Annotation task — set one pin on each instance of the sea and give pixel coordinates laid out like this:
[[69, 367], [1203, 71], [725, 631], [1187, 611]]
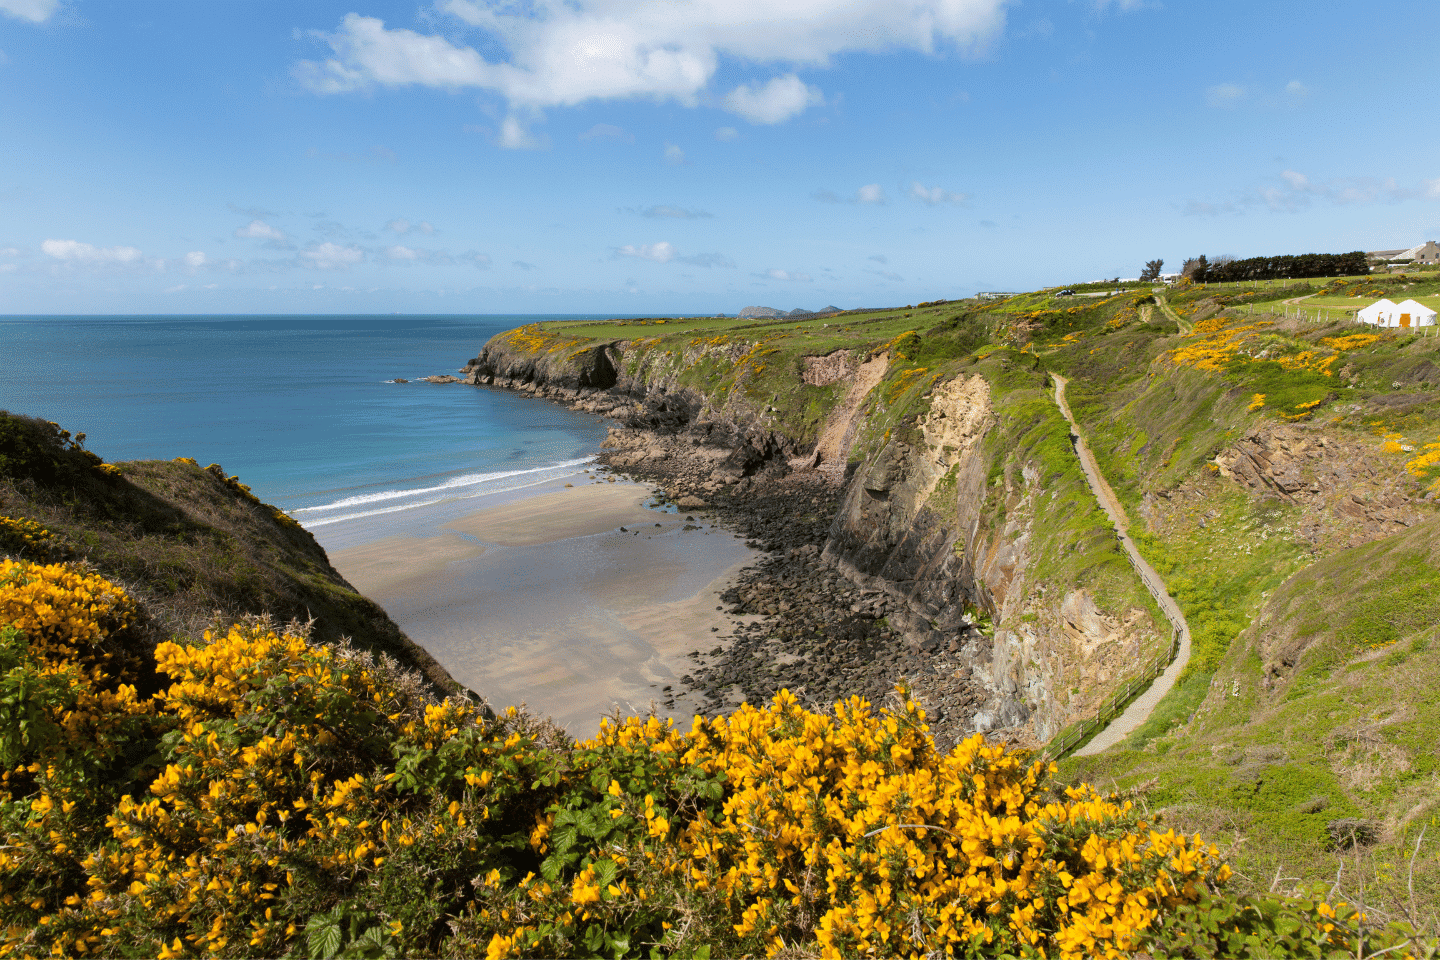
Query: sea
[[307, 410]]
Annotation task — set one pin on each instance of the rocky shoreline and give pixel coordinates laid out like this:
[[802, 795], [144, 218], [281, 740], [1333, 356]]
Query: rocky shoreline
[[797, 622]]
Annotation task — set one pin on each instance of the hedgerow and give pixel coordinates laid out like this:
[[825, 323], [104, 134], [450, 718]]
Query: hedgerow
[[281, 798]]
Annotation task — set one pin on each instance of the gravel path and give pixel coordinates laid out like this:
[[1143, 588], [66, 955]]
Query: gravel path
[[1140, 709]]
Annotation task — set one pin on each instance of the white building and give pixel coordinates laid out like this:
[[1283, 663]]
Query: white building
[[1384, 313]]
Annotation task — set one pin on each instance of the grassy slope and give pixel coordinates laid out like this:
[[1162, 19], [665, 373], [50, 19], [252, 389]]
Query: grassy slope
[[188, 542], [1349, 731]]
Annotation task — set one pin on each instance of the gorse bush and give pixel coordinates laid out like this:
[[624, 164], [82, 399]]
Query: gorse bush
[[279, 798]]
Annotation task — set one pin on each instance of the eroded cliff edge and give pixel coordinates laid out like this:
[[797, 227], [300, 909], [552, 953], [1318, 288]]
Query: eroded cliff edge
[[960, 516]]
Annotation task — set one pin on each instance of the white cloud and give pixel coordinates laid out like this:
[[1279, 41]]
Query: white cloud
[[259, 230], [1224, 95], [674, 155], [870, 193], [726, 134], [195, 259], [398, 252], [662, 252], [75, 251], [554, 53], [1431, 189], [787, 275], [36, 11], [1297, 181], [1295, 90], [775, 102], [934, 196], [331, 256], [8, 268], [514, 136], [9, 251]]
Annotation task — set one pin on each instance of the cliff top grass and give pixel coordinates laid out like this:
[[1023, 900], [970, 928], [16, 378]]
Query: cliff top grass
[[1295, 649]]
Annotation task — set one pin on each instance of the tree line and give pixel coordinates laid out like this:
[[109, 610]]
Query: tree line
[[1289, 267]]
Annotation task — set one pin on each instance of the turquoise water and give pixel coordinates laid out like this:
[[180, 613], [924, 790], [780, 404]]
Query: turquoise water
[[299, 407]]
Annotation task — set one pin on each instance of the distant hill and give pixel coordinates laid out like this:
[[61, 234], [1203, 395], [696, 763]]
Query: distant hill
[[797, 312]]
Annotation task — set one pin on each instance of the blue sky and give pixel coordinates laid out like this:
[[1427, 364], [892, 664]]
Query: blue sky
[[598, 156]]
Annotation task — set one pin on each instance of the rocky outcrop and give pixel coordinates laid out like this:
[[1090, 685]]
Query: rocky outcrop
[[1348, 491], [501, 363], [760, 312]]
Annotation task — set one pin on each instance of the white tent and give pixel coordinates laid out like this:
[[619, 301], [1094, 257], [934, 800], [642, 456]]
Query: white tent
[[1419, 314], [1381, 313]]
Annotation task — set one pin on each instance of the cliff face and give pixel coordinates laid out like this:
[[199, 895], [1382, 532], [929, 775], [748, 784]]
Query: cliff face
[[919, 522], [940, 509]]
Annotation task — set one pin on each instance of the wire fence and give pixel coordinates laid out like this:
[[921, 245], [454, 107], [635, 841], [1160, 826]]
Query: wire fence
[[1116, 703], [1333, 314]]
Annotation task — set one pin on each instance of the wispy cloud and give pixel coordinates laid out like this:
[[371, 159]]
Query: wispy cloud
[[726, 134], [331, 256], [935, 196], [606, 131], [77, 252], [1292, 190], [514, 135], [674, 155], [662, 252], [665, 252], [667, 212], [787, 276], [708, 260], [870, 193], [402, 226], [259, 230], [1225, 95]]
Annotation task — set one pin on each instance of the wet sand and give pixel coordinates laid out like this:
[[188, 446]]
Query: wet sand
[[548, 602]]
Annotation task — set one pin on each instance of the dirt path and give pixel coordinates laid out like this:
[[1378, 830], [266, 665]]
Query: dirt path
[[1185, 327], [1140, 709]]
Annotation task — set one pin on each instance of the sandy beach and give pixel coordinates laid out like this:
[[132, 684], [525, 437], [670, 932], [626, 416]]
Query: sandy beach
[[575, 602]]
